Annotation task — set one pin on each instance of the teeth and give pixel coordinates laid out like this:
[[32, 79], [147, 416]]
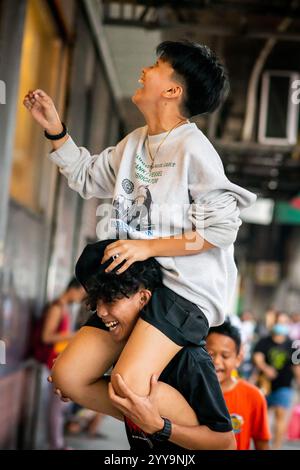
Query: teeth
[[111, 324]]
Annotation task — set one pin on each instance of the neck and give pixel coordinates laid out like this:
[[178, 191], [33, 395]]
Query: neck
[[163, 121], [278, 339], [64, 298], [228, 384]]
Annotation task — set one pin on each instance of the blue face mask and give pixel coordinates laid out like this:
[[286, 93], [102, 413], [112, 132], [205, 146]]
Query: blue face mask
[[280, 329]]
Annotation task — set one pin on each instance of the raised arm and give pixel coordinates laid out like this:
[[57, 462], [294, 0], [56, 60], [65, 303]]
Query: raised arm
[[43, 111], [89, 175]]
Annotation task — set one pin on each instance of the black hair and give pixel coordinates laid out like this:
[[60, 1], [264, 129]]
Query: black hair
[[73, 284], [228, 329], [203, 77], [111, 286]]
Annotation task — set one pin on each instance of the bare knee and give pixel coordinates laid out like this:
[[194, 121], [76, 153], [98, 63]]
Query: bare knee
[[138, 383], [280, 413], [65, 380]]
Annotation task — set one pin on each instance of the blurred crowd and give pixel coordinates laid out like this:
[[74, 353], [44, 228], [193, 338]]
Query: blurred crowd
[[271, 358]]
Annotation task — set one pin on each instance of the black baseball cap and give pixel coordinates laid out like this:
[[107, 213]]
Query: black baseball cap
[[89, 262]]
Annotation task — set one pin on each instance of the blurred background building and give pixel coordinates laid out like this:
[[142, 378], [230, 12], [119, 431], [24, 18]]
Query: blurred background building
[[87, 55]]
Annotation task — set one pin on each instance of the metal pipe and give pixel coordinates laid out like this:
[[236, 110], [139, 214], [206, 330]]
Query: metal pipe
[[94, 13], [247, 133], [11, 39]]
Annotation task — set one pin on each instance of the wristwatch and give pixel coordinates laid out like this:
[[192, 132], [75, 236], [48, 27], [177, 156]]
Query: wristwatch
[[165, 433], [57, 136]]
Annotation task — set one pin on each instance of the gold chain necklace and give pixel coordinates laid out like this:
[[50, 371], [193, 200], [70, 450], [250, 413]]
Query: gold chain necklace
[[157, 150]]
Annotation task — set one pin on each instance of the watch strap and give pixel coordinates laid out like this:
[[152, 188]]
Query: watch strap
[[165, 433]]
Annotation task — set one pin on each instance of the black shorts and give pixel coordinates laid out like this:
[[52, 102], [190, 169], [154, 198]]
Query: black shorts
[[179, 319]]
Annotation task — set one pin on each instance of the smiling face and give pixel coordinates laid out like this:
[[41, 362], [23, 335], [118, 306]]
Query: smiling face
[[223, 351], [121, 315], [156, 82]]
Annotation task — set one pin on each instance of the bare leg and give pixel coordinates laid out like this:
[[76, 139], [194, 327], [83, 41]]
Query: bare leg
[[88, 356], [147, 352], [174, 406], [95, 397], [94, 424], [280, 425], [76, 372], [56, 412]]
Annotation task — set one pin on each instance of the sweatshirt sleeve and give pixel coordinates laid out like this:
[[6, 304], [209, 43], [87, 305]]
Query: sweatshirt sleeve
[[216, 203], [89, 175]]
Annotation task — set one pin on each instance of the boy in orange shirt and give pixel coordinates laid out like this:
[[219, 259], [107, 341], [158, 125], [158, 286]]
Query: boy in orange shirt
[[246, 404]]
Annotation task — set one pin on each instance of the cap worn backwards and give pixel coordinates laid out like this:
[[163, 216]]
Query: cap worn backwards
[[89, 262]]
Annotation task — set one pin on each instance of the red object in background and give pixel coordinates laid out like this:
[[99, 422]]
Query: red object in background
[[46, 353], [293, 431], [295, 202]]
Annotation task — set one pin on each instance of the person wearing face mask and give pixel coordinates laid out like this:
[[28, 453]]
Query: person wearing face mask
[[272, 356]]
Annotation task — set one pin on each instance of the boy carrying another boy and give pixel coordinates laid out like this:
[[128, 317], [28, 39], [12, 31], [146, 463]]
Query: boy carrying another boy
[[199, 417], [171, 200]]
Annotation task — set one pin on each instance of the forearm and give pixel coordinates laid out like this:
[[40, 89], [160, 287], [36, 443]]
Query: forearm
[[189, 243], [261, 445], [201, 438], [296, 371], [56, 337], [56, 144], [260, 362], [262, 366], [57, 129]]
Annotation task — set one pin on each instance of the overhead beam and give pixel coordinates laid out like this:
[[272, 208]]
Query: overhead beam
[[270, 8], [206, 30]]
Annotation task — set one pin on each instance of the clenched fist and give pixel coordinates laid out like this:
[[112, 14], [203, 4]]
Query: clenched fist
[[43, 111]]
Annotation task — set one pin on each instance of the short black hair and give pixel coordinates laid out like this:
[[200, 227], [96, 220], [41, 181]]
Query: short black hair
[[228, 329], [204, 78], [111, 286], [73, 284]]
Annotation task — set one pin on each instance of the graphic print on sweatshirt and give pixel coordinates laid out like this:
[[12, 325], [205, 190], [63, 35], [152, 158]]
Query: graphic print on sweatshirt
[[132, 211]]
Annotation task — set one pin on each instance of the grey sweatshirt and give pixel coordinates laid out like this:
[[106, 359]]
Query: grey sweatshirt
[[187, 189]]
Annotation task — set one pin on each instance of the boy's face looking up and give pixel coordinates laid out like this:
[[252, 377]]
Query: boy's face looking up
[[157, 84], [225, 356], [122, 314]]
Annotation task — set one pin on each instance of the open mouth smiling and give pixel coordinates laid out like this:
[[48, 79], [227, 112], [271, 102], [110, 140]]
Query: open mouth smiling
[[112, 325]]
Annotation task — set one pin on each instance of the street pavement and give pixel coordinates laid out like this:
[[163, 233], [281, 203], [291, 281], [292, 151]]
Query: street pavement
[[115, 439]]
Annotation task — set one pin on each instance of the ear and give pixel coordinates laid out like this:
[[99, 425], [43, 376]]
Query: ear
[[176, 91], [145, 296], [240, 357]]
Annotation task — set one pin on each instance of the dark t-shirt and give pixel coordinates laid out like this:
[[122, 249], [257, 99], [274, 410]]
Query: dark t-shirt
[[278, 356], [193, 374]]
